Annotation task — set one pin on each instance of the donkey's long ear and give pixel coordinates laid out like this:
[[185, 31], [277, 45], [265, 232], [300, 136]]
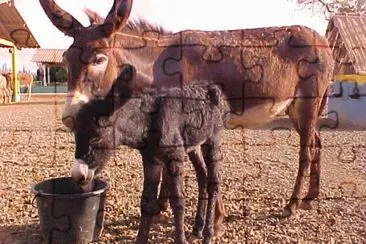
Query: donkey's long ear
[[117, 16], [94, 18], [60, 18]]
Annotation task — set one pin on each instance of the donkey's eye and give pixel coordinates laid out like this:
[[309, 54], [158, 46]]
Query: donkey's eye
[[100, 60]]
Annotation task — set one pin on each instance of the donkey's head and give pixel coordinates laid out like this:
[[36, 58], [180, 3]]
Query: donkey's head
[[90, 60]]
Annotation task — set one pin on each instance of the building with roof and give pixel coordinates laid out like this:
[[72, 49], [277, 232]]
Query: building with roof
[[346, 34], [47, 58], [14, 34]]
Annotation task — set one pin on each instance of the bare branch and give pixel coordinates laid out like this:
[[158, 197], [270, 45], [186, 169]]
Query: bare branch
[[332, 6]]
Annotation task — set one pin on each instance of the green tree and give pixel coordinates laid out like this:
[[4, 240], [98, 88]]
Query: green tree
[[57, 74], [60, 75], [334, 6], [52, 71]]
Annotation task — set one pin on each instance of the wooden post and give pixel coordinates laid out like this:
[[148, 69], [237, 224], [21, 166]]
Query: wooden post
[[44, 78], [16, 94], [48, 75]]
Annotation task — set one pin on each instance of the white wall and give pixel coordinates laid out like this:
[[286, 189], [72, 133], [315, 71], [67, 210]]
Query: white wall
[[351, 112]]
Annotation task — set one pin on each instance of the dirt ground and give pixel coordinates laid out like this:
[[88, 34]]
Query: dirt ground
[[258, 174]]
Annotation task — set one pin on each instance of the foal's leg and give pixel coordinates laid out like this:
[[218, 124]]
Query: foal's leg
[[201, 174], [212, 157], [304, 114], [164, 190], [315, 170], [176, 196], [149, 203]]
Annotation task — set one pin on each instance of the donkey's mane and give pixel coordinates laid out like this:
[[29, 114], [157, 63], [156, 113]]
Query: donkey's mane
[[140, 25]]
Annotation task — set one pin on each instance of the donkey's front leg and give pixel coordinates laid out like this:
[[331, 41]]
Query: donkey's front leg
[[149, 203], [315, 169], [176, 197]]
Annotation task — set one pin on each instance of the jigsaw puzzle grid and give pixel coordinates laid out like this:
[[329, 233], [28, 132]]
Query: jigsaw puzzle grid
[[258, 171]]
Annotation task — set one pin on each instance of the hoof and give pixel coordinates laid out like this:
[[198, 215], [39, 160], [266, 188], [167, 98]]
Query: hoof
[[157, 218], [220, 230], [192, 238], [163, 204], [306, 205], [209, 241], [287, 212], [160, 216]]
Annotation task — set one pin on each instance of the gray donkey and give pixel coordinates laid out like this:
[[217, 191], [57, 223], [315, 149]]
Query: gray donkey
[[175, 121]]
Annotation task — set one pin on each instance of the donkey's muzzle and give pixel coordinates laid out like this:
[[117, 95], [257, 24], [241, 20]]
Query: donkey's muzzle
[[69, 122], [73, 103], [81, 173]]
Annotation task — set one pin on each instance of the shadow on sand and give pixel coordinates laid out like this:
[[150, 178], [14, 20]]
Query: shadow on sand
[[20, 234]]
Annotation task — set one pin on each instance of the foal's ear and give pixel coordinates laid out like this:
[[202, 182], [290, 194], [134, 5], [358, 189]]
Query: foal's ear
[[127, 73], [125, 78]]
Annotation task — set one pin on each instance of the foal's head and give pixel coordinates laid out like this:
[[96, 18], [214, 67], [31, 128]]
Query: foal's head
[[91, 61], [94, 124]]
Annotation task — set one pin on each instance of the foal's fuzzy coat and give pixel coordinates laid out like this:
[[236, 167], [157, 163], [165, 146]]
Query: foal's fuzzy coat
[[164, 125]]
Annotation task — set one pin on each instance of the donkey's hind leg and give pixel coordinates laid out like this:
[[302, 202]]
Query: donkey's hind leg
[[304, 114], [29, 91], [315, 170]]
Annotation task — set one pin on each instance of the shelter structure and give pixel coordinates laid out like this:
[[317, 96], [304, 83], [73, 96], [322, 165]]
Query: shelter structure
[[346, 34], [14, 34], [47, 58]]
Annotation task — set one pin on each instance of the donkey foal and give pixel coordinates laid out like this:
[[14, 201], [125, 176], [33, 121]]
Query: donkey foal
[[175, 121]]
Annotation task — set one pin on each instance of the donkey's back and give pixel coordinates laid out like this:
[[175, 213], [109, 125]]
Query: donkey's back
[[262, 71]]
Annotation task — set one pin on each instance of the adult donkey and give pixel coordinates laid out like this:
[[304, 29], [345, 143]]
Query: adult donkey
[[5, 89], [263, 72], [24, 79]]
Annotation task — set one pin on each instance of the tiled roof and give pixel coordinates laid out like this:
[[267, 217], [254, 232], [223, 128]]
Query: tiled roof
[[13, 28], [48, 56], [347, 38]]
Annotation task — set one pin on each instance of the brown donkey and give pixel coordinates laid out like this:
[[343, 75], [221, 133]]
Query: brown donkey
[[5, 90], [263, 72], [24, 79]]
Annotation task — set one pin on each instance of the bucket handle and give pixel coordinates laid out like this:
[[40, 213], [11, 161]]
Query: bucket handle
[[34, 199]]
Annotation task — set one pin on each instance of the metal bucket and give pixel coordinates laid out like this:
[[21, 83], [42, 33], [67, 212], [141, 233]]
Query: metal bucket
[[66, 213]]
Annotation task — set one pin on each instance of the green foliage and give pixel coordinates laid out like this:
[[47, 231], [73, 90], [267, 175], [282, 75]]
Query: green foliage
[[57, 74], [61, 75]]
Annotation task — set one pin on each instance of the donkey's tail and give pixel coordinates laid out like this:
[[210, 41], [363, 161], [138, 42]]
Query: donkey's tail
[[323, 102]]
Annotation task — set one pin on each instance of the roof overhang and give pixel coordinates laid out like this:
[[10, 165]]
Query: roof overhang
[[51, 56], [346, 34], [13, 28]]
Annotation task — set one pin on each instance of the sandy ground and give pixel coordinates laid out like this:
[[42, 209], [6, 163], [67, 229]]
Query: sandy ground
[[258, 174]]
